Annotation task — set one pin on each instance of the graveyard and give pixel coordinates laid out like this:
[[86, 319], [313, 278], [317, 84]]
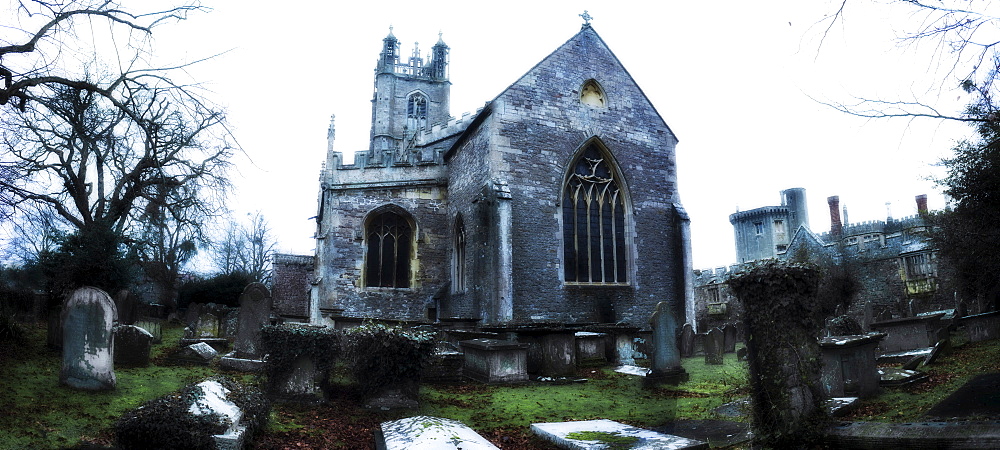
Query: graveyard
[[39, 412]]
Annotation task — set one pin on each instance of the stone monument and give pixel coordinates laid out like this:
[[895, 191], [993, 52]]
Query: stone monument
[[254, 314], [88, 317], [666, 359]]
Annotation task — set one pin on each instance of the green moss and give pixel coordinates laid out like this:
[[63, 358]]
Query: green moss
[[612, 440]]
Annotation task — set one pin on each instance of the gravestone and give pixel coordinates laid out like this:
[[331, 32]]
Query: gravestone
[[729, 338], [191, 315], [230, 323], [848, 365], [714, 346], [566, 435], [197, 353], [132, 345], [208, 326], [665, 358], [687, 341], [495, 361], [128, 306], [590, 349], [255, 312], [88, 341], [154, 327]]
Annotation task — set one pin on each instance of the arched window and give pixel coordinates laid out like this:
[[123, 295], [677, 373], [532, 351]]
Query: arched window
[[388, 238], [594, 213], [416, 111], [458, 263], [592, 94]]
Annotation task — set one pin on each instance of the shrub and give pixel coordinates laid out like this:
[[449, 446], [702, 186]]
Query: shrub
[[284, 344], [379, 355], [221, 289], [166, 423], [10, 330]]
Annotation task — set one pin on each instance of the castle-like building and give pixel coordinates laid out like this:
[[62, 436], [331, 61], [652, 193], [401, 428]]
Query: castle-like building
[[892, 264], [555, 202]]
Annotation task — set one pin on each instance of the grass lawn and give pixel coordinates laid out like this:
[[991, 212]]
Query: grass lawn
[[36, 412]]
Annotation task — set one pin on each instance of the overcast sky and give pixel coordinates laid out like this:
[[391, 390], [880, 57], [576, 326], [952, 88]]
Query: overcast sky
[[736, 81]]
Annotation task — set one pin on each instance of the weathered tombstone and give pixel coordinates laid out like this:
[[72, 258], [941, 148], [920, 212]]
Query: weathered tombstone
[[88, 342], [714, 346], [254, 315], [741, 354], [154, 327], [687, 341], [132, 345], [429, 433], [208, 326], [128, 305], [729, 338], [255, 312], [666, 359], [230, 323], [198, 353], [867, 316], [590, 349], [848, 368], [912, 308], [191, 315]]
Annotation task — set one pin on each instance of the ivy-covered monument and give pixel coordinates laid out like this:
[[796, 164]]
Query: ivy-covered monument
[[555, 202]]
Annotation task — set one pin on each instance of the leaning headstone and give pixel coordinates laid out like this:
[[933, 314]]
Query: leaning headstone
[[198, 353], [687, 341], [132, 345], [729, 338], [88, 342], [714, 346], [128, 305], [666, 359]]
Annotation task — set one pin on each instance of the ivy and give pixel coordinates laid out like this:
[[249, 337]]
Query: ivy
[[285, 344], [379, 356], [783, 318], [166, 422]]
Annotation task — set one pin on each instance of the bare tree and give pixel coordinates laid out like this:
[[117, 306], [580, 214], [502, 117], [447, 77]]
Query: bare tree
[[102, 147], [961, 39], [246, 248]]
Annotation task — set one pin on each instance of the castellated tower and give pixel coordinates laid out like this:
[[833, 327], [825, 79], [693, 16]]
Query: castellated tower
[[409, 96]]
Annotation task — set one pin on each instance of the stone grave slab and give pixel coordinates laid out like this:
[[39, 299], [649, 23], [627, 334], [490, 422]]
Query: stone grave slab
[[197, 353], [890, 376], [557, 433], [903, 356], [666, 358], [840, 406], [713, 347], [735, 408], [848, 367], [632, 370], [128, 306], [88, 316], [729, 338], [429, 433], [686, 344], [154, 327], [717, 433]]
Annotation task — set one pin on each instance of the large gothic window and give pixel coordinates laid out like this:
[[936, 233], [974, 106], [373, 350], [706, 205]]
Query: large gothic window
[[594, 221], [388, 237], [416, 112]]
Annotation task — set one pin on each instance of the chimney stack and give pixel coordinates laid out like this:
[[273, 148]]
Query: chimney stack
[[835, 224], [922, 204]]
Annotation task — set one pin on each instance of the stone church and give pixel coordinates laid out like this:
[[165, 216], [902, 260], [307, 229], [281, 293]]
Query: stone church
[[555, 202]]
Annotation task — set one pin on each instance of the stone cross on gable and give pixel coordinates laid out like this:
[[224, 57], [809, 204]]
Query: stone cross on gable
[[586, 17]]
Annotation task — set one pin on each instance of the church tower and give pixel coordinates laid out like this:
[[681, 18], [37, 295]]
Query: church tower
[[409, 96]]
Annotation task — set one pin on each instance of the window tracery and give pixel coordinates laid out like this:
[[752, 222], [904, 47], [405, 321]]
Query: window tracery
[[416, 111], [594, 222], [388, 240]]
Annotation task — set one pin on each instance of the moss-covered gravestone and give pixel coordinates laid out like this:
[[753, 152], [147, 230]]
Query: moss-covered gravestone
[[779, 301], [88, 317]]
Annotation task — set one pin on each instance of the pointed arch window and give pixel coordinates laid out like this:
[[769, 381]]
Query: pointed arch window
[[458, 264], [592, 94], [416, 111], [389, 238], [594, 212]]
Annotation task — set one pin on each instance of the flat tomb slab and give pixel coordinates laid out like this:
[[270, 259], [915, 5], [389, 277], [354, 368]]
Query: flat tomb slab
[[979, 397], [609, 430], [632, 370], [429, 433]]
